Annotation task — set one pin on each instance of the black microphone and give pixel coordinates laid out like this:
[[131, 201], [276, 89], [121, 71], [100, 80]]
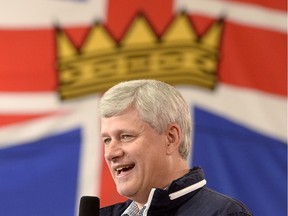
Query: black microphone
[[89, 206]]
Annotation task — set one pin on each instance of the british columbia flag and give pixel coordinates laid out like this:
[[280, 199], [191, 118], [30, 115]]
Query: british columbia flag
[[50, 150]]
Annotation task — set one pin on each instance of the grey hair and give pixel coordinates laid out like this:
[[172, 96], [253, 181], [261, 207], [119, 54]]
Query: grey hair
[[157, 103]]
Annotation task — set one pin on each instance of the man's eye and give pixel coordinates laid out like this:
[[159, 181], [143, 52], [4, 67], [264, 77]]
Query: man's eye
[[126, 137], [107, 140]]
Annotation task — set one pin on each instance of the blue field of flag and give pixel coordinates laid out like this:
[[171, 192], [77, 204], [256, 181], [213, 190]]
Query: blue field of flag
[[40, 178], [242, 163]]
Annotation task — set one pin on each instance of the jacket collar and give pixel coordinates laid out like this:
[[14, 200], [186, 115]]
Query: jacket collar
[[160, 202]]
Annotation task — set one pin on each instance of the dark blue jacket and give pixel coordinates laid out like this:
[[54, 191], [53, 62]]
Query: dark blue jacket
[[191, 199]]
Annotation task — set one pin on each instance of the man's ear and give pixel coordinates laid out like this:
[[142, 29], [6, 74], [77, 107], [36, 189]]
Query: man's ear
[[173, 138]]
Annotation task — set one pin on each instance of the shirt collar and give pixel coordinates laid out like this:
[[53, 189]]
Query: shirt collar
[[133, 210]]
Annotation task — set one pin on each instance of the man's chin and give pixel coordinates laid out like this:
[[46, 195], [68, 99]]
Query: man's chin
[[125, 191]]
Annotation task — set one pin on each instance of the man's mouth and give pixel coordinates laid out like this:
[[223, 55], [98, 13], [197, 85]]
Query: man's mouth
[[124, 169]]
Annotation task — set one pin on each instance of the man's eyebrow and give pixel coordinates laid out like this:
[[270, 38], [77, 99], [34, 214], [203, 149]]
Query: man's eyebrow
[[104, 134]]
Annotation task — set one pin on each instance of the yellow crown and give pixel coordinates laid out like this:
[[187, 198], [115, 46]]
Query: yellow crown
[[179, 56]]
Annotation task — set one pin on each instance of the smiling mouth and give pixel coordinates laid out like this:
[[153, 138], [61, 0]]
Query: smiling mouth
[[124, 169]]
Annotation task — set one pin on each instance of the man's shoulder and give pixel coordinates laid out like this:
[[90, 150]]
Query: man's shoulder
[[222, 198], [115, 209], [213, 201]]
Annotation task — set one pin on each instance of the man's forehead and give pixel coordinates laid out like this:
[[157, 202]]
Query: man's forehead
[[127, 122]]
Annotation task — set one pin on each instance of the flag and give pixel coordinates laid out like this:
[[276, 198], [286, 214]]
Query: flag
[[227, 58]]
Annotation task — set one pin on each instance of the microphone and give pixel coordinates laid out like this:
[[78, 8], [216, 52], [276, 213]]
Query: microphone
[[89, 206]]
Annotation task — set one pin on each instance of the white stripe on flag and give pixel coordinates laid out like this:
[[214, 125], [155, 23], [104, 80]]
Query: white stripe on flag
[[247, 14], [258, 110], [31, 103], [45, 13]]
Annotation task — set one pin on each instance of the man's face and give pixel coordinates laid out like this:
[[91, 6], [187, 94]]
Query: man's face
[[135, 154]]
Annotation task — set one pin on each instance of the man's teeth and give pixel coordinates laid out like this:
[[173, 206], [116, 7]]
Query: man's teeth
[[121, 168]]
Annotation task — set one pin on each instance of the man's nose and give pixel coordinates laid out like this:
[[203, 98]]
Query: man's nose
[[113, 150]]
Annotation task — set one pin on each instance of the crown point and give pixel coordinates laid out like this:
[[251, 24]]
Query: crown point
[[140, 32], [98, 39], [213, 36], [180, 30], [64, 44]]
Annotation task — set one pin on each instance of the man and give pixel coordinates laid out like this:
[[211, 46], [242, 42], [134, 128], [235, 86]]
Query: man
[[146, 133]]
